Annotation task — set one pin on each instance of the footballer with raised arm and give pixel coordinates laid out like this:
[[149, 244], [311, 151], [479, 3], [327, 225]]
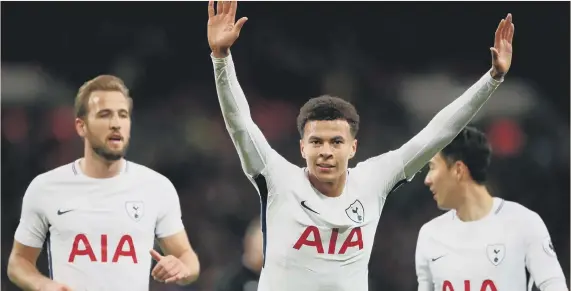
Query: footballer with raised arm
[[483, 243], [319, 221], [101, 214]]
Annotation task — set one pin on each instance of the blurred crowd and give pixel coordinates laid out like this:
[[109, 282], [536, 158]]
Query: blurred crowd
[[178, 128]]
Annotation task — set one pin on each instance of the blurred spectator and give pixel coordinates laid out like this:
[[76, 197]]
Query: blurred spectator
[[244, 276]]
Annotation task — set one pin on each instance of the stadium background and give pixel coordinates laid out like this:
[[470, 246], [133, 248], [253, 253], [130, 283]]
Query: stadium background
[[398, 62]]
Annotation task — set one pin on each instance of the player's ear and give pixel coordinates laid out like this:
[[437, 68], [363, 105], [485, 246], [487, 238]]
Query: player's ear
[[80, 126], [459, 170], [353, 148], [301, 148]]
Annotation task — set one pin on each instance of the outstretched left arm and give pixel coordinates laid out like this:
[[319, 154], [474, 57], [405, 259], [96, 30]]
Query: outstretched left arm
[[444, 127], [402, 164]]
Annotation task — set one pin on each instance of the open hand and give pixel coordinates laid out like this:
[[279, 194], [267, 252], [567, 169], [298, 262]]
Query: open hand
[[169, 269], [502, 50], [223, 29]]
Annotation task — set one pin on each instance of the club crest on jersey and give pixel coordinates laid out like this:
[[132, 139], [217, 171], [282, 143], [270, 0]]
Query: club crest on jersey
[[356, 211], [135, 209], [496, 253]]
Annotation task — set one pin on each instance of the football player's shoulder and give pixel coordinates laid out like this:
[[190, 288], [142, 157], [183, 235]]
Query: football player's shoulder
[[364, 166], [520, 215], [517, 211], [144, 173], [438, 223], [56, 175], [286, 177], [379, 170], [37, 189]]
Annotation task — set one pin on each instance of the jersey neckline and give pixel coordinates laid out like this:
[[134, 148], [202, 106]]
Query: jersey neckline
[[76, 168]]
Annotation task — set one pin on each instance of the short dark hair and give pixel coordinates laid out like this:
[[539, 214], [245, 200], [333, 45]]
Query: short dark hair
[[328, 108], [472, 148]]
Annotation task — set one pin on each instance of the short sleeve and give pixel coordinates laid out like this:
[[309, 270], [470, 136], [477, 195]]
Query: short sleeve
[[169, 220], [33, 225], [540, 258]]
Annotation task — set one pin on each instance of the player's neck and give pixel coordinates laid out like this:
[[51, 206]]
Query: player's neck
[[97, 167], [477, 203], [329, 189]]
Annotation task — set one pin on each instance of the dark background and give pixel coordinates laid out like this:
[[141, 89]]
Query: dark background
[[398, 62]]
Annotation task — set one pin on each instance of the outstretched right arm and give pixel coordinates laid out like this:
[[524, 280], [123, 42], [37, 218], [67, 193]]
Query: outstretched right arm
[[252, 146]]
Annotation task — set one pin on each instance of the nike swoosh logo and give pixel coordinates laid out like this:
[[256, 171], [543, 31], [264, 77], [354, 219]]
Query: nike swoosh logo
[[59, 212], [307, 207], [437, 258]]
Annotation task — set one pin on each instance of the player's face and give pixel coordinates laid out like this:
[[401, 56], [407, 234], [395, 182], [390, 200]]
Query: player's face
[[442, 182], [107, 127], [327, 146]]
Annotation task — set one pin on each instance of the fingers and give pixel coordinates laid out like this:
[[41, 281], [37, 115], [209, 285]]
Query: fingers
[[160, 271], [499, 31], [155, 255], [175, 278], [168, 271], [163, 272], [172, 273], [233, 8], [507, 26], [227, 5], [156, 270], [505, 30], [510, 28], [222, 7], [211, 9], [511, 33], [219, 6], [240, 24]]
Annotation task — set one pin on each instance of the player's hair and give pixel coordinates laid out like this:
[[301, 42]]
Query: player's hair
[[328, 108], [472, 148], [99, 83]]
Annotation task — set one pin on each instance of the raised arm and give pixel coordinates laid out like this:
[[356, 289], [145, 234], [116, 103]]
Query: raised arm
[[402, 164], [252, 146], [449, 121]]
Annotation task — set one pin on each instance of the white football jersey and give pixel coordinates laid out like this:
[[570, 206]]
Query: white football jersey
[[313, 242], [490, 254], [99, 231]]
